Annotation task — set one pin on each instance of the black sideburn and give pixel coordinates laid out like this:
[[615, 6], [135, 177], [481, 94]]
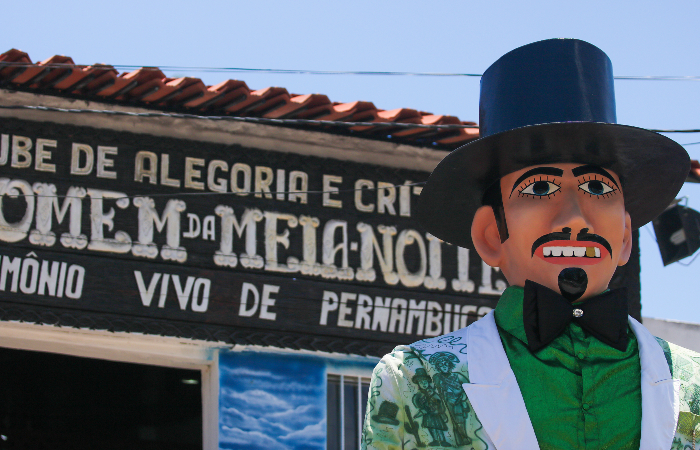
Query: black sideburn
[[494, 198]]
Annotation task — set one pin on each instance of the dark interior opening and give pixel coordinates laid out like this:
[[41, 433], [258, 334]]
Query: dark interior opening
[[52, 401]]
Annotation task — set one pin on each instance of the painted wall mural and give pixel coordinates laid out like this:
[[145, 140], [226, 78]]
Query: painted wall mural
[[271, 401]]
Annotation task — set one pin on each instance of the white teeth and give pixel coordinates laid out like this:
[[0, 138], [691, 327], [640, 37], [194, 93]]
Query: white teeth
[[568, 251]]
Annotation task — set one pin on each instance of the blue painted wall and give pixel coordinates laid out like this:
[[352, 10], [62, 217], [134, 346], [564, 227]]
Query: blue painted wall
[[276, 401], [272, 401]]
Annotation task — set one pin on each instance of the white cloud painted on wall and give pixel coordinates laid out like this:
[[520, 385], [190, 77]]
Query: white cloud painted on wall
[[271, 402], [260, 399], [310, 433], [241, 439]]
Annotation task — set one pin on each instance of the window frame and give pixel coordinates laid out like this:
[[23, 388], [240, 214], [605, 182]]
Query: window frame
[[357, 381]]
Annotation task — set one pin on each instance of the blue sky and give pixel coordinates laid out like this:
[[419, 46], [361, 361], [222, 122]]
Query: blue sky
[[641, 37]]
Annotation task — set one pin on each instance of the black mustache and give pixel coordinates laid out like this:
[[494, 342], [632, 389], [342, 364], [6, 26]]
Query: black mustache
[[585, 236], [556, 236], [582, 236]]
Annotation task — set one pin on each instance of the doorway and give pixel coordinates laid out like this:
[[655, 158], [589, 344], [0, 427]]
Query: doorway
[[54, 401]]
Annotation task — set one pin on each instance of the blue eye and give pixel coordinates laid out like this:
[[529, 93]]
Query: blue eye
[[595, 187], [540, 188]]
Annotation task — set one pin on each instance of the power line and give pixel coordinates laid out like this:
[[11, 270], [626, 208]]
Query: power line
[[242, 119], [317, 72], [695, 130], [265, 120], [267, 194]]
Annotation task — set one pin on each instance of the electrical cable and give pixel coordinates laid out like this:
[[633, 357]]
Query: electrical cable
[[689, 262], [275, 121], [313, 72], [243, 119], [241, 194]]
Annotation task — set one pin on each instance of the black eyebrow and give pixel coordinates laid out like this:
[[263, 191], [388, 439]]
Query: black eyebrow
[[590, 168], [538, 171]]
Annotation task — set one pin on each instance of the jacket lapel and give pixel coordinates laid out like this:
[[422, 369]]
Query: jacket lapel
[[660, 392], [494, 393], [493, 390]]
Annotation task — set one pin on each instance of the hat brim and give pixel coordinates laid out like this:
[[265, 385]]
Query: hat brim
[[386, 420], [651, 166]]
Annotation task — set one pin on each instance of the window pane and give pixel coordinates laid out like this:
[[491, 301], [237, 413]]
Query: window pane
[[365, 394], [351, 424], [333, 412]]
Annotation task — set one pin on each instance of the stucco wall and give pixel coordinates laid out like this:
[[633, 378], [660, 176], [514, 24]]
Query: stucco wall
[[684, 334]]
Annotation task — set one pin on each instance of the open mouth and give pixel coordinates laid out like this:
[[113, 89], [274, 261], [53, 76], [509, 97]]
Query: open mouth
[[579, 252], [572, 252]]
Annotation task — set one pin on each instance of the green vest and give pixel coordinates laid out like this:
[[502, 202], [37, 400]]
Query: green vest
[[579, 392]]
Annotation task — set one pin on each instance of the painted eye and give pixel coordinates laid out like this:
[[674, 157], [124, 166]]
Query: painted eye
[[595, 187], [540, 188]]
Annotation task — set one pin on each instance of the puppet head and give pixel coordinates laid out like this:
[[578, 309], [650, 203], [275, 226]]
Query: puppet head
[[553, 183]]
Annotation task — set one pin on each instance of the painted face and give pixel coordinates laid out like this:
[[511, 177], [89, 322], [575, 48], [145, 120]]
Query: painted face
[[443, 366], [564, 215], [423, 383]]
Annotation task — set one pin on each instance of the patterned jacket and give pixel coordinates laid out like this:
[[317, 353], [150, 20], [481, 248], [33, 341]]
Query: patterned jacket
[[488, 412]]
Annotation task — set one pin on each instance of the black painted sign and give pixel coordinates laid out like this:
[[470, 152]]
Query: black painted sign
[[140, 227]]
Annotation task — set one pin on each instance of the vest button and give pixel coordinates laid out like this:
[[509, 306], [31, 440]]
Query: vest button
[[586, 406]]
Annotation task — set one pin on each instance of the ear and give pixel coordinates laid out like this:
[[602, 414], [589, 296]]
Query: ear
[[626, 241], [485, 236]]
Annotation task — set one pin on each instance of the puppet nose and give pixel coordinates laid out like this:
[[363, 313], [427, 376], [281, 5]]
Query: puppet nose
[[571, 217]]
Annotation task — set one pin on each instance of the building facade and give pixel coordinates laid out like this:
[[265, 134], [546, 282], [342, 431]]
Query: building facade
[[254, 270]]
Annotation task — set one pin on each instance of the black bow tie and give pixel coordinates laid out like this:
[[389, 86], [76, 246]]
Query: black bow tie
[[546, 314]]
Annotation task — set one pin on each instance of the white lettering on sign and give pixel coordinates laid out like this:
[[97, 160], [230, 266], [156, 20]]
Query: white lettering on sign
[[225, 256], [193, 294], [82, 159], [46, 204], [104, 163], [385, 254], [486, 282], [329, 268], [434, 280], [283, 242], [21, 156], [273, 240], [4, 148], [14, 232], [213, 183], [99, 218], [49, 278], [149, 219], [251, 300], [395, 315], [43, 156], [329, 189]]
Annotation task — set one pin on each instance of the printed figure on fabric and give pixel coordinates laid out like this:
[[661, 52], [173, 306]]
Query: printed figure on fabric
[[449, 384], [431, 409]]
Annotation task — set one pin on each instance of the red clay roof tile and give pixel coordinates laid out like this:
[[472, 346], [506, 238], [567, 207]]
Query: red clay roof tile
[[149, 87]]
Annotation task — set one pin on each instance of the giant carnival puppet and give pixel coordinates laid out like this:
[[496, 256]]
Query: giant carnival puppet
[[550, 194]]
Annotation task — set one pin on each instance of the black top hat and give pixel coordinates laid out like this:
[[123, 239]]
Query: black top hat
[[421, 373], [387, 413], [550, 102]]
